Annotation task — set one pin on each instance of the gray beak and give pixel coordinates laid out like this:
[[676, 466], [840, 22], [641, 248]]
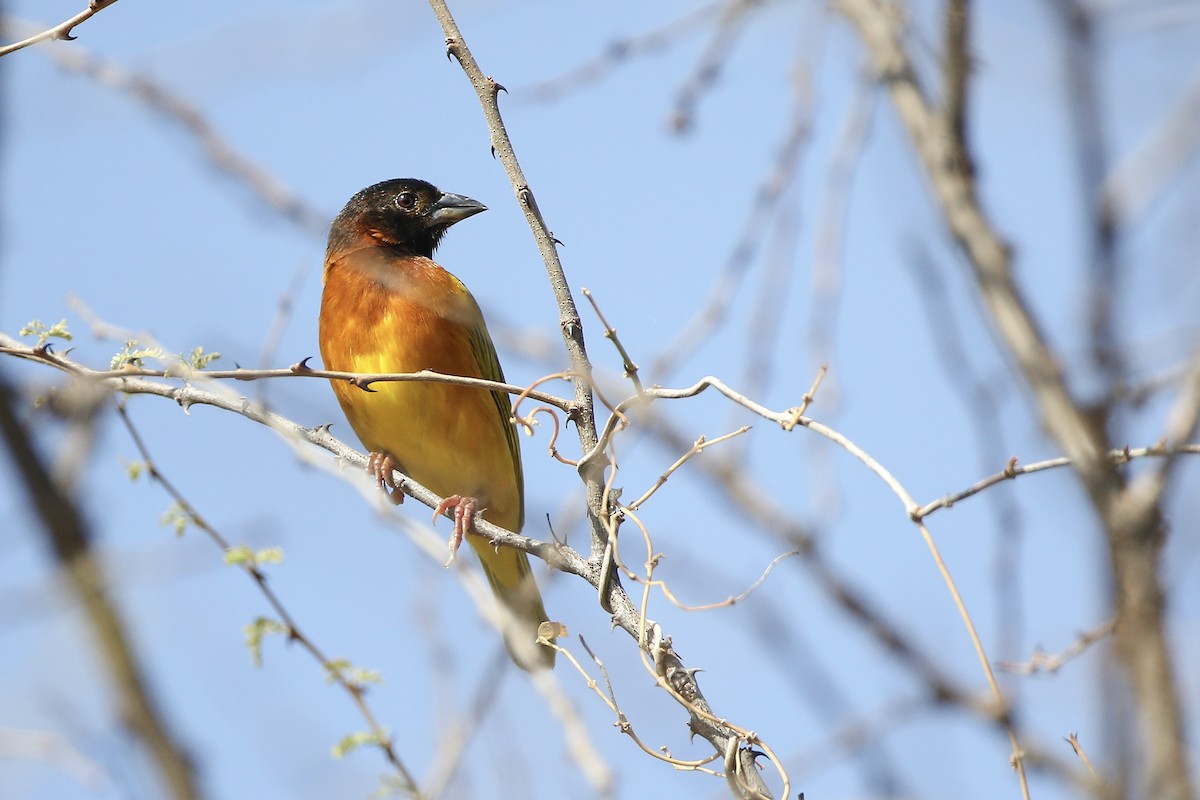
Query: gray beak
[[452, 208]]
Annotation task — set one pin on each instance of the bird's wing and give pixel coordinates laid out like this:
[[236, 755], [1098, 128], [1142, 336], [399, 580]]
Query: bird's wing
[[484, 353]]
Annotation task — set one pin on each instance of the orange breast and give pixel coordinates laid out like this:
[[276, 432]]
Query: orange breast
[[380, 314]]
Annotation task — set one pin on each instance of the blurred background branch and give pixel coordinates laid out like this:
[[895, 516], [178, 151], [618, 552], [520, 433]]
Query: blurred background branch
[[1052, 330]]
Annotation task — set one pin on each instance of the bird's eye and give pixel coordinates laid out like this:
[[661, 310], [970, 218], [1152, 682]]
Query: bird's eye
[[406, 200]]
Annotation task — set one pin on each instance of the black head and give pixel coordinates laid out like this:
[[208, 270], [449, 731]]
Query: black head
[[406, 213]]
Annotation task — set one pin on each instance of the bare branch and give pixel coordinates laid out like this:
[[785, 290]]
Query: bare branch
[[696, 449], [362, 380], [1136, 530], [956, 74], [1073, 740], [354, 688], [223, 156], [56, 751], [1182, 422], [741, 257], [582, 412], [880, 25], [69, 538], [725, 35], [1043, 662], [1141, 177], [671, 674], [618, 52], [610, 333], [61, 31]]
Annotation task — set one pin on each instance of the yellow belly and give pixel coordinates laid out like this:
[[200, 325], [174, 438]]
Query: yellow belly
[[450, 439], [380, 314]]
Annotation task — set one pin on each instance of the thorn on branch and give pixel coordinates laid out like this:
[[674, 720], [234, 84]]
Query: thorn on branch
[[301, 366], [362, 383], [572, 327]]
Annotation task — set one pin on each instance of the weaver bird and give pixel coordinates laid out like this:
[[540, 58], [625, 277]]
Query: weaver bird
[[388, 307]]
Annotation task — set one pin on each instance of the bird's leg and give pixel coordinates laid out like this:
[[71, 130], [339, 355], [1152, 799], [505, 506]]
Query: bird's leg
[[464, 518], [381, 465]]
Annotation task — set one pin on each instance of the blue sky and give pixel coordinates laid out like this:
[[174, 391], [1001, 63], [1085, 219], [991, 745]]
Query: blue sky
[[108, 207]]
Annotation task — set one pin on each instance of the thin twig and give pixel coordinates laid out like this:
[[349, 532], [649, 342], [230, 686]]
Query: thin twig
[[332, 670], [610, 333], [1014, 470], [1143, 175], [616, 53], [57, 752], [592, 466], [731, 600], [462, 730], [623, 724], [1041, 661], [69, 537], [363, 380], [582, 413], [1183, 420], [1073, 740], [735, 764], [217, 149], [708, 68], [696, 449], [911, 508], [560, 556], [779, 261], [61, 31], [724, 289], [283, 316], [881, 27], [671, 671]]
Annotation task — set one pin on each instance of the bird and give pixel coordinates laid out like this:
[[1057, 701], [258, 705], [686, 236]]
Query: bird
[[388, 307]]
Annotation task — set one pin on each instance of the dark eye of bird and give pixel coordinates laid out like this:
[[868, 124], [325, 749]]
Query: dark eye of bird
[[406, 199]]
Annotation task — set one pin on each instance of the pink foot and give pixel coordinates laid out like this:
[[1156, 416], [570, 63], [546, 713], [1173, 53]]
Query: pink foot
[[381, 465], [464, 518]]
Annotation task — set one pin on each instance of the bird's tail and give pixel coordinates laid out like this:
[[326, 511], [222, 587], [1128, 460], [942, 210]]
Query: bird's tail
[[512, 581]]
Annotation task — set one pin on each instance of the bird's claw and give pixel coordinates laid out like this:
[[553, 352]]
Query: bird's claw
[[464, 518], [381, 466]]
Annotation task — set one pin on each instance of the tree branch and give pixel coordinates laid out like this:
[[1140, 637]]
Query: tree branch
[[1135, 530], [61, 30], [70, 541]]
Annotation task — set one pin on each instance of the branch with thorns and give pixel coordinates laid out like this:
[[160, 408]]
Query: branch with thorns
[[61, 31], [656, 650], [623, 724]]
